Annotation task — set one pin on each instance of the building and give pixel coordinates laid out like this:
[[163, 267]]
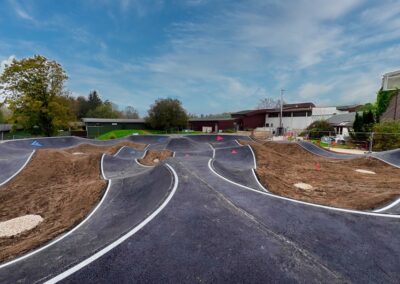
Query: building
[[391, 81], [249, 119], [393, 110], [211, 124], [342, 122], [98, 126]]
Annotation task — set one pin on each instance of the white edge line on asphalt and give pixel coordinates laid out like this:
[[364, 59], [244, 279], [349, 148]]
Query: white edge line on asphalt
[[238, 142], [20, 169], [140, 164], [258, 182], [213, 149], [120, 149], [63, 236], [388, 206], [100, 253], [302, 202], [254, 157], [173, 154], [102, 167]]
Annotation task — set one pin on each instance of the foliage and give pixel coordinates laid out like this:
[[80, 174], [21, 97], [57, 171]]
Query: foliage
[[166, 114], [320, 128], [131, 112], [34, 91], [269, 103], [104, 110], [2, 119], [382, 101], [362, 126], [387, 136], [368, 107]]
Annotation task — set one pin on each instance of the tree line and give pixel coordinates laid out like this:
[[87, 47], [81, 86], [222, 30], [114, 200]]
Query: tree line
[[37, 101]]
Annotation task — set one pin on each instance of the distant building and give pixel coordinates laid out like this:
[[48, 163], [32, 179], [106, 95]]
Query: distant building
[[342, 122], [98, 126], [391, 81], [211, 124]]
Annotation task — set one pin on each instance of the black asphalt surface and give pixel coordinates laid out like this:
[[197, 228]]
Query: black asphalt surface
[[213, 230], [324, 153]]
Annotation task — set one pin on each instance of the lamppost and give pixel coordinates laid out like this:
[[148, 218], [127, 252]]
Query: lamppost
[[280, 117]]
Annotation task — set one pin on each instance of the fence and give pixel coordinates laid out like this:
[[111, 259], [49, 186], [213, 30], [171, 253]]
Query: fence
[[366, 141], [23, 135]]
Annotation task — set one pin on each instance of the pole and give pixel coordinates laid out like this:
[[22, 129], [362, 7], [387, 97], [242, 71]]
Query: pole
[[280, 118], [371, 139]]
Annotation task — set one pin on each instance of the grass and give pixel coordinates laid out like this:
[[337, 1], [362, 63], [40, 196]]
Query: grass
[[126, 132]]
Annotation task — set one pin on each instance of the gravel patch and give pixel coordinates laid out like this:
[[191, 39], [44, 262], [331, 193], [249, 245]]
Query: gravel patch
[[18, 225]]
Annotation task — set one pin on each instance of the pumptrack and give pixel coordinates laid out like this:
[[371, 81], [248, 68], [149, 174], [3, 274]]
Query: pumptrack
[[202, 215]]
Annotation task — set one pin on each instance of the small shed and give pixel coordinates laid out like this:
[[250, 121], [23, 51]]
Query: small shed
[[342, 122], [98, 126]]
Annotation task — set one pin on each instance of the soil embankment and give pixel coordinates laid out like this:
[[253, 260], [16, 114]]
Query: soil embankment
[[334, 182], [154, 157], [60, 185]]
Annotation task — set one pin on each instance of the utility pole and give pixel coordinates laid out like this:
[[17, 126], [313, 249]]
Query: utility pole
[[280, 117]]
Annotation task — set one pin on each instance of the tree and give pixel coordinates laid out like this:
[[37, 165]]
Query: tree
[[104, 110], [2, 120], [167, 114], [93, 100], [320, 128], [131, 112], [34, 91], [268, 103], [387, 136], [358, 123]]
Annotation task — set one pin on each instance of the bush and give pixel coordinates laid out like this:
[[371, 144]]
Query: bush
[[387, 136], [320, 128]]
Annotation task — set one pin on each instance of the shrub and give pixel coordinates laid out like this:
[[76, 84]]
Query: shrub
[[320, 128], [387, 136]]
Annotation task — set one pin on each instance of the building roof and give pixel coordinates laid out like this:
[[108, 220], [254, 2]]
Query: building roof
[[211, 119], [343, 119], [286, 108], [393, 73], [113, 120]]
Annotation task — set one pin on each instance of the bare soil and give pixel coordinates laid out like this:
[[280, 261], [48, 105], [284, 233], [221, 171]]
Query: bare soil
[[152, 156], [59, 186], [335, 182]]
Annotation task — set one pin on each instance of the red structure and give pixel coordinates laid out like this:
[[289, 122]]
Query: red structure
[[216, 124]]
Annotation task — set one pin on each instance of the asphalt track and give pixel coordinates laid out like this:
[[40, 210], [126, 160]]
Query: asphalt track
[[202, 217]]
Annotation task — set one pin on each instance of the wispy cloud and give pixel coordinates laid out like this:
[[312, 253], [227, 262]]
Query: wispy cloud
[[20, 11]]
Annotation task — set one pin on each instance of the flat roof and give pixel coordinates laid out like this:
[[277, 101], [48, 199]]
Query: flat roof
[[113, 120], [211, 119]]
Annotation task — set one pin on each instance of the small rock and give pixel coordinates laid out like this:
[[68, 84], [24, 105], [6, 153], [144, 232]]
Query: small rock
[[365, 172], [303, 185], [156, 160]]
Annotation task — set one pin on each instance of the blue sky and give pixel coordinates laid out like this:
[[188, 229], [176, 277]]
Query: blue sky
[[214, 56]]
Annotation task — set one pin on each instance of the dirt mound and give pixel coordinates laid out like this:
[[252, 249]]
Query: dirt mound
[[335, 182], [154, 157], [58, 185], [97, 149]]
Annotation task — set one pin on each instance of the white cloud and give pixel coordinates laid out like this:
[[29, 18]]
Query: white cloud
[[21, 11], [5, 62], [313, 90]]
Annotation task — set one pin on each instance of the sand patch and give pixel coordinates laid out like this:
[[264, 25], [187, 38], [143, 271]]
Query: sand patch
[[18, 225], [303, 185], [365, 172]]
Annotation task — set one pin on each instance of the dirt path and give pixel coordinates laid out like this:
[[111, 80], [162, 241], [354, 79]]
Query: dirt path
[[58, 185], [154, 157], [335, 182]]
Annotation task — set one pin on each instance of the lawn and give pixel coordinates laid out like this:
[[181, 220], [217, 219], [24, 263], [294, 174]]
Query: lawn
[[126, 132]]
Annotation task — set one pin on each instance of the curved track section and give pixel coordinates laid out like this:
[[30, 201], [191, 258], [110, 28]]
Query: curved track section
[[128, 202], [310, 147], [218, 226]]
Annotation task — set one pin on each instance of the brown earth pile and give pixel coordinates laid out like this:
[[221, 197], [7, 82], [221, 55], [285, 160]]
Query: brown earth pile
[[154, 157], [59, 186], [335, 182]]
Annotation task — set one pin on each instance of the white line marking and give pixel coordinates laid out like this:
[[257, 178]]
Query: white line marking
[[173, 154], [100, 253], [63, 236], [213, 149], [258, 182], [302, 202], [238, 142], [102, 167], [20, 169], [388, 206], [120, 149], [254, 157]]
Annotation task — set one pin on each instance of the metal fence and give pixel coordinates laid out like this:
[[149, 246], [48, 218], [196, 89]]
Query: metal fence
[[366, 141]]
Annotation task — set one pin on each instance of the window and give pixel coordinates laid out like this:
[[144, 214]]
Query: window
[[267, 125]]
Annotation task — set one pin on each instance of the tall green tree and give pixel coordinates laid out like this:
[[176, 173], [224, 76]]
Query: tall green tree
[[166, 114], [34, 91], [2, 120]]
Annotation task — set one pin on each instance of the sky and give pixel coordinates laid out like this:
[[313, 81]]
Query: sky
[[214, 56]]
